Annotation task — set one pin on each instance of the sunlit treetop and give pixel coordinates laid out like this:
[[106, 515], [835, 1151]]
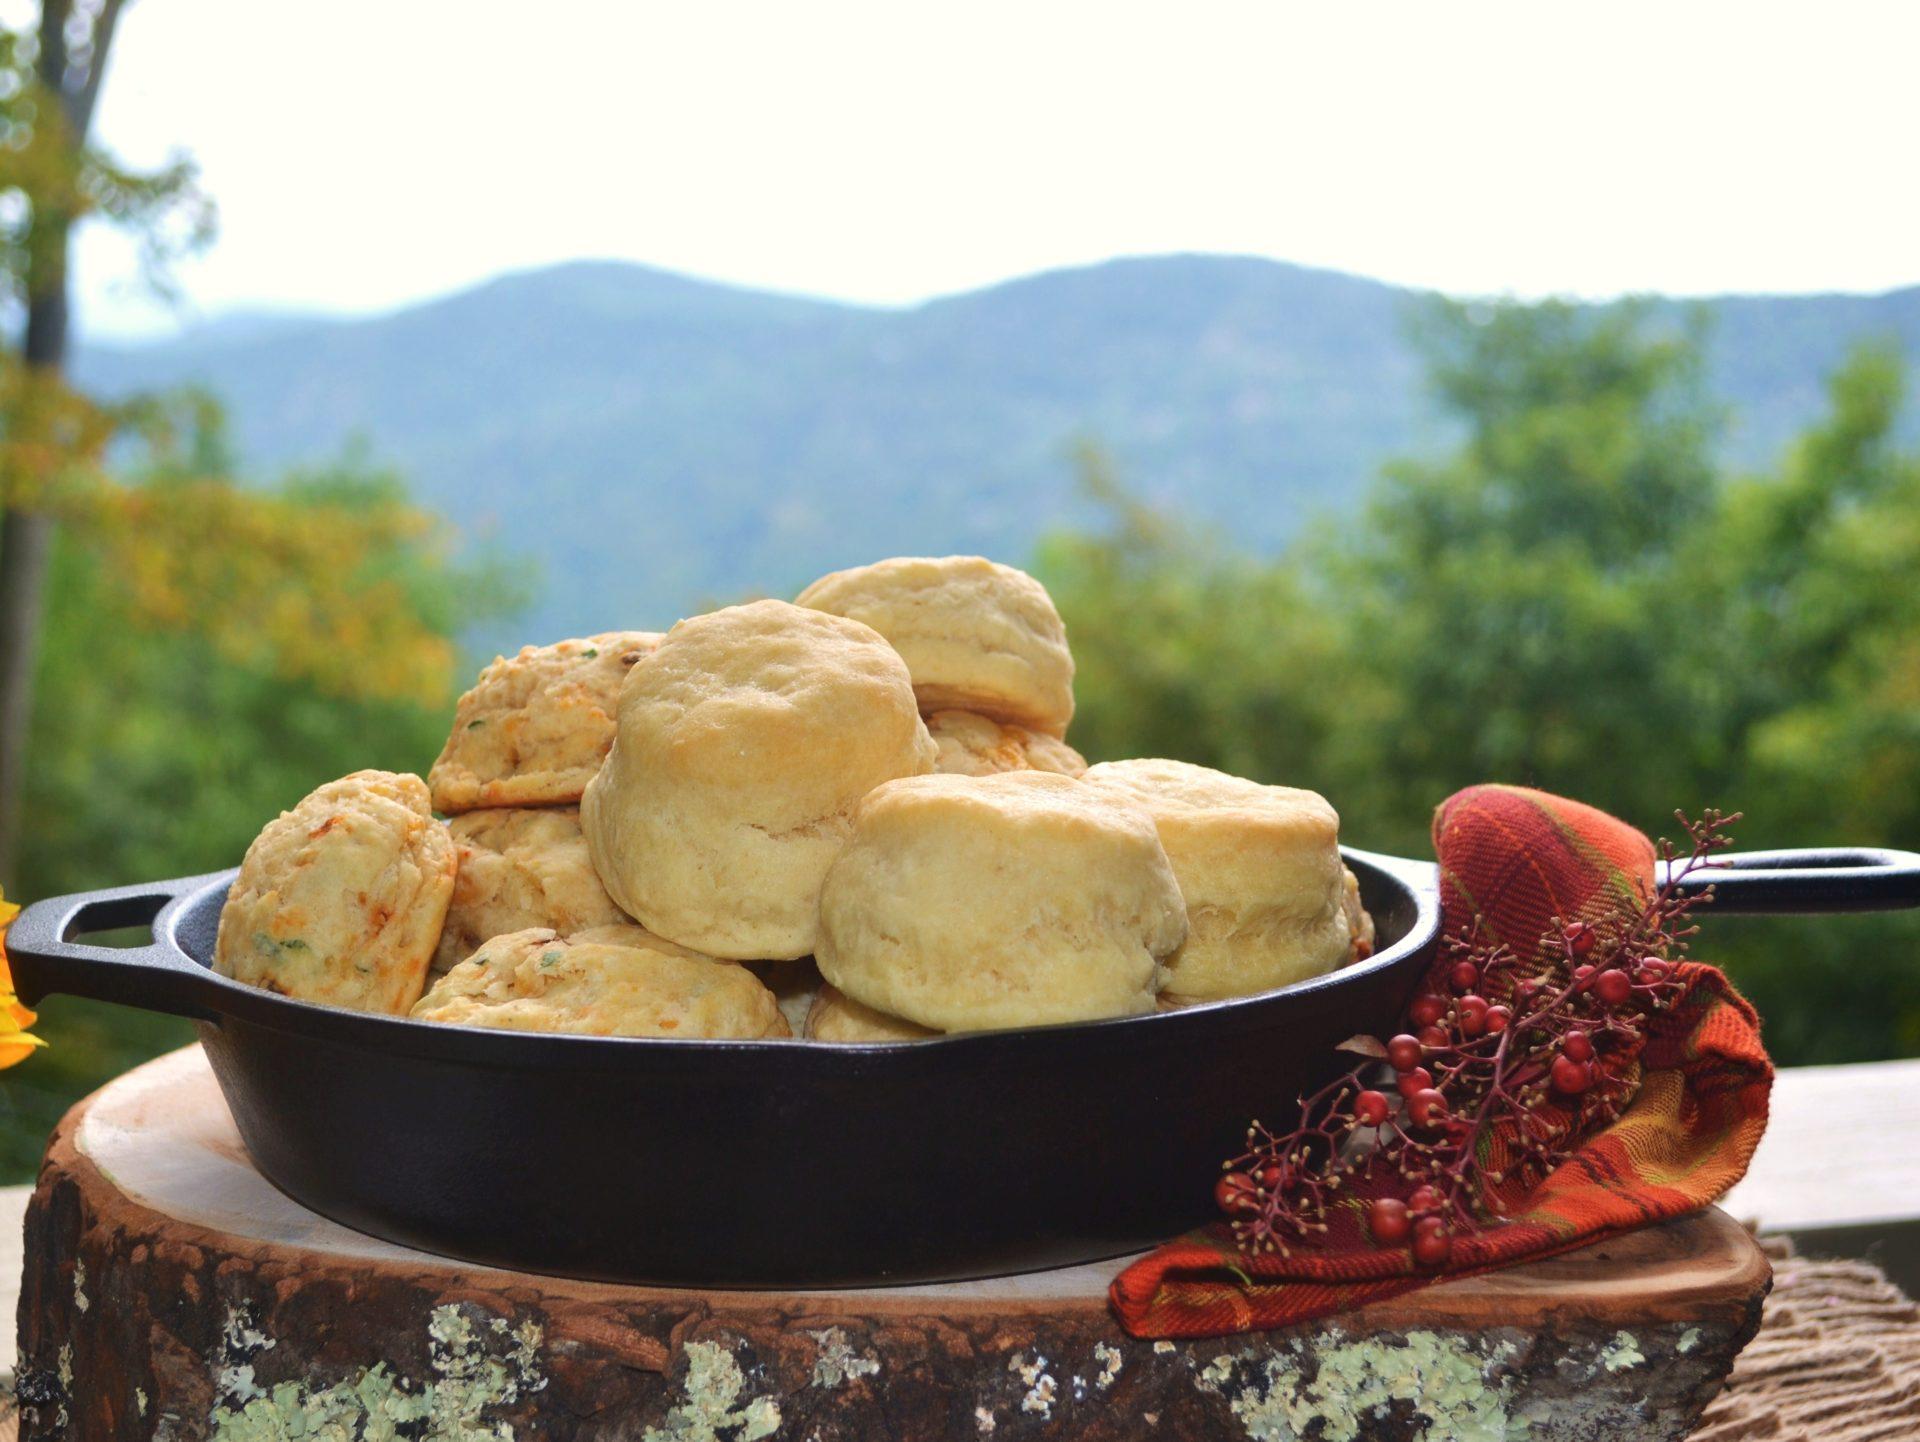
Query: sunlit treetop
[[48, 184]]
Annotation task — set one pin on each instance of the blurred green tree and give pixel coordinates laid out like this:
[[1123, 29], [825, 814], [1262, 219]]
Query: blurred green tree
[[1821, 565], [215, 649], [160, 746], [1186, 647], [327, 579], [1518, 593], [1576, 599], [52, 178]]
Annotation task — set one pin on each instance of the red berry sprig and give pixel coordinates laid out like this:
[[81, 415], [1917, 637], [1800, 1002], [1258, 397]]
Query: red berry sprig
[[1508, 1065]]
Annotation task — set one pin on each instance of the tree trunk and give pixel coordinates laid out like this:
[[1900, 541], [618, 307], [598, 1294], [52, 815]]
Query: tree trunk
[[26, 537], [25, 547]]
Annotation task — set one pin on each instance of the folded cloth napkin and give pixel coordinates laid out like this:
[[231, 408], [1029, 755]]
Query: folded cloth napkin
[[1511, 860]]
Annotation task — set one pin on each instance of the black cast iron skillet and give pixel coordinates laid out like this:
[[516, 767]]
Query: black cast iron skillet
[[784, 1164]]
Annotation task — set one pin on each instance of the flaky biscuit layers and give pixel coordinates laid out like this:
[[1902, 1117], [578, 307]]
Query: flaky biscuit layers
[[535, 981], [974, 745], [1260, 868], [968, 903], [744, 743], [340, 900], [976, 635], [535, 727], [520, 867]]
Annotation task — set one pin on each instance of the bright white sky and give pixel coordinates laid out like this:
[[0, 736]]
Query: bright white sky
[[366, 153]]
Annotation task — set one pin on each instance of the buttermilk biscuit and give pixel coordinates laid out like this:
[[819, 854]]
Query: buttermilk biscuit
[[535, 981], [340, 900], [966, 903], [1260, 869], [744, 743], [520, 867], [973, 745], [976, 635], [534, 729], [1359, 923], [835, 1016]]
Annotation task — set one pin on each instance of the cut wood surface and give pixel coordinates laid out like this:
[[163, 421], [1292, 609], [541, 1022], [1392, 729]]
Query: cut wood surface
[[171, 1291]]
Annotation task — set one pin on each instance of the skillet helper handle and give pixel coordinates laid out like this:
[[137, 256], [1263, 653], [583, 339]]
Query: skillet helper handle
[[1808, 881], [45, 956]]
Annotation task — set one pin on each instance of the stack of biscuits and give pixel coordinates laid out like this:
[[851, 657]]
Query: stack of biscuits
[[855, 818]]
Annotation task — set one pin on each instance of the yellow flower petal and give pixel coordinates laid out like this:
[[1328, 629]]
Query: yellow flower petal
[[17, 1049], [16, 1043]]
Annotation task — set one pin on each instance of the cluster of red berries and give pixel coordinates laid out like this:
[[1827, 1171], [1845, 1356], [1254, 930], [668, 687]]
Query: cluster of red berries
[[1529, 1053], [1422, 1216]]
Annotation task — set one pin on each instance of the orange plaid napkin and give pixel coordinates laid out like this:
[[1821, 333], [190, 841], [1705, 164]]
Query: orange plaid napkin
[[1512, 859]]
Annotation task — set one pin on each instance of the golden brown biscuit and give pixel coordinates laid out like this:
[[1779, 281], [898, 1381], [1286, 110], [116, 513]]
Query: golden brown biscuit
[[835, 1016], [976, 635], [520, 867], [973, 745], [966, 903], [1259, 867], [534, 729], [340, 900], [1359, 923], [535, 981], [744, 743]]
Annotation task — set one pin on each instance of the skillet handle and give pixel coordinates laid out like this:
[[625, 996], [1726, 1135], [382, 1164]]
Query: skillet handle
[[1850, 878], [159, 976]]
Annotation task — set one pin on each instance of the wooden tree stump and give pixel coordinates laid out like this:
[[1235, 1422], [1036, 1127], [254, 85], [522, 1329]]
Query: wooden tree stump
[[172, 1293]]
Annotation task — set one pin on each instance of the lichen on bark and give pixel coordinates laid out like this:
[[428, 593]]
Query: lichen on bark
[[476, 1372]]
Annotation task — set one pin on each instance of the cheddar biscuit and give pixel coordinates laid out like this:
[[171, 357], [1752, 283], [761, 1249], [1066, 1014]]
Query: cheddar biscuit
[[1260, 868], [535, 981], [340, 900], [520, 867], [976, 635], [535, 728], [743, 745], [966, 903]]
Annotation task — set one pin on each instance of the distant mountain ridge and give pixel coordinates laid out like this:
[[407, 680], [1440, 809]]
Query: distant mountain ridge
[[654, 442]]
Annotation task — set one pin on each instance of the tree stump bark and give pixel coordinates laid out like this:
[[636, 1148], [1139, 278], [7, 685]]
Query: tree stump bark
[[171, 1293]]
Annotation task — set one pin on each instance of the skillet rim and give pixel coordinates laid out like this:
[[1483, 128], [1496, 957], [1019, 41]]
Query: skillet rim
[[219, 998]]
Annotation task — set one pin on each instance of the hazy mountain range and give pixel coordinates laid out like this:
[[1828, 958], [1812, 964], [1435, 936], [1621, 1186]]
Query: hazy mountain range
[[650, 442]]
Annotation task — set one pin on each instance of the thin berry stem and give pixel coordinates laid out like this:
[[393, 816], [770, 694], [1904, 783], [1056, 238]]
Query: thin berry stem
[[1502, 1056]]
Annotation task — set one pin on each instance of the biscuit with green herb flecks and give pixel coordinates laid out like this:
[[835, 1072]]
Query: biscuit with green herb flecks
[[536, 981], [535, 728], [341, 900], [520, 867]]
